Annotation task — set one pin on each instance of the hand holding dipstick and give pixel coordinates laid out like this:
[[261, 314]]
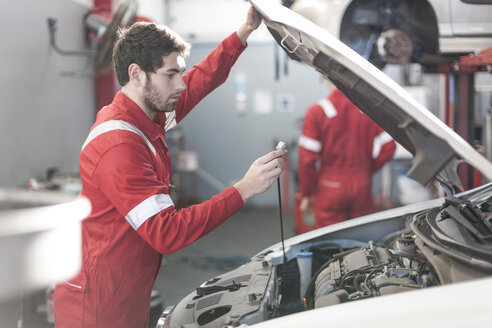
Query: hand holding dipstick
[[261, 174]]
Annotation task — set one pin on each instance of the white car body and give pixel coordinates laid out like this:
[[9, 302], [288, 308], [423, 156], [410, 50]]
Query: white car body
[[426, 308], [441, 306]]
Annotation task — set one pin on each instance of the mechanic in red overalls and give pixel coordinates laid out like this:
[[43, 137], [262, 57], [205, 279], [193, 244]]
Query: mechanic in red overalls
[[126, 173], [339, 150]]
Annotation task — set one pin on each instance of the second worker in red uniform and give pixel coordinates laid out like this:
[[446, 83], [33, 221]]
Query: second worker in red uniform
[[339, 150]]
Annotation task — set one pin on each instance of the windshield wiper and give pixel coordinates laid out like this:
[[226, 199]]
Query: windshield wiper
[[202, 291], [469, 216]]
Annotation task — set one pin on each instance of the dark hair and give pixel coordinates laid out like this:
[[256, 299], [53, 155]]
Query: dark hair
[[145, 44]]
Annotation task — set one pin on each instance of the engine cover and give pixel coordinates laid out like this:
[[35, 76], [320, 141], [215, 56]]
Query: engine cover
[[364, 273]]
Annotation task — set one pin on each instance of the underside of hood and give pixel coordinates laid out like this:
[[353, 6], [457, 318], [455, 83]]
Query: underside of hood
[[437, 150]]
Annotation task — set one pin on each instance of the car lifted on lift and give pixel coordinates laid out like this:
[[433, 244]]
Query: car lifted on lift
[[400, 31], [432, 261]]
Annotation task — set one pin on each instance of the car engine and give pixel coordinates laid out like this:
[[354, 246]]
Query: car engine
[[362, 273], [259, 291], [438, 246]]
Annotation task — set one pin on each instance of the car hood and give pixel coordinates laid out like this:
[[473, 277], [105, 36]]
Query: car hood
[[437, 150]]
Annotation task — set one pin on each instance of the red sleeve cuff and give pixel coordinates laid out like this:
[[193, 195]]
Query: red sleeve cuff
[[233, 42], [234, 200]]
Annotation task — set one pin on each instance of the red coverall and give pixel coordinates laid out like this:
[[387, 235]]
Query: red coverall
[[126, 171], [339, 150]]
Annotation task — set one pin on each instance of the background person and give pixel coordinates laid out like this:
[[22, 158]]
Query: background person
[[339, 150]]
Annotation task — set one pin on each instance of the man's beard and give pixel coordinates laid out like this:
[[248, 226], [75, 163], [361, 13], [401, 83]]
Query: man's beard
[[151, 99]]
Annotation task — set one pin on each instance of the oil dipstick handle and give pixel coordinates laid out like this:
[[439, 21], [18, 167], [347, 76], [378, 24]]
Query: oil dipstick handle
[[281, 145]]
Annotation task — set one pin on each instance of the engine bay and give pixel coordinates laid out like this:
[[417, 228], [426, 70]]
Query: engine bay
[[438, 246], [343, 275]]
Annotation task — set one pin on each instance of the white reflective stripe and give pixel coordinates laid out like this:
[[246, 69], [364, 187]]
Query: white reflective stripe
[[328, 108], [70, 284], [116, 125], [147, 209], [310, 144], [379, 142], [170, 121]]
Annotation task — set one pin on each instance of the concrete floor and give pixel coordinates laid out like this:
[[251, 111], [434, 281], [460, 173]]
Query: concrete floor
[[230, 245], [227, 247]]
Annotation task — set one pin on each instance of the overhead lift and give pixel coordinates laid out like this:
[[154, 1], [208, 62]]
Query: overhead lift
[[459, 82]]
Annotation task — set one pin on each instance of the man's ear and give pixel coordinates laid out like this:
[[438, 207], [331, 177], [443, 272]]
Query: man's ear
[[136, 75]]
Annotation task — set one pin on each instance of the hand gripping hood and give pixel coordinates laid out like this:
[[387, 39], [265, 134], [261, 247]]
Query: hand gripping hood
[[436, 149]]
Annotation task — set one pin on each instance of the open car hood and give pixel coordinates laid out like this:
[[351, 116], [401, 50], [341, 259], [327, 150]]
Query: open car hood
[[437, 150]]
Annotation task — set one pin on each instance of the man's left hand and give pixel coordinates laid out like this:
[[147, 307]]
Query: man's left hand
[[253, 21]]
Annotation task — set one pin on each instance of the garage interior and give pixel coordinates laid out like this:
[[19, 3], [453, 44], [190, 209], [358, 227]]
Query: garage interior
[[57, 76]]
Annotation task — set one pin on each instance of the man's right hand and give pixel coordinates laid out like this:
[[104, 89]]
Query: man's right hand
[[261, 174]]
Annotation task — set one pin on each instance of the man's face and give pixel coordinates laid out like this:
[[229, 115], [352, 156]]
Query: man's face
[[162, 88]]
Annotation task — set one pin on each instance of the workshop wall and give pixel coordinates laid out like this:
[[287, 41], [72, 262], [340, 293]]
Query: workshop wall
[[47, 98], [208, 20], [230, 132]]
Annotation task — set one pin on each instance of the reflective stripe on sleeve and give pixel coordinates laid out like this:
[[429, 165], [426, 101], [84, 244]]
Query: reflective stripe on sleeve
[[147, 209], [328, 108], [379, 142], [170, 121], [116, 125], [310, 144]]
